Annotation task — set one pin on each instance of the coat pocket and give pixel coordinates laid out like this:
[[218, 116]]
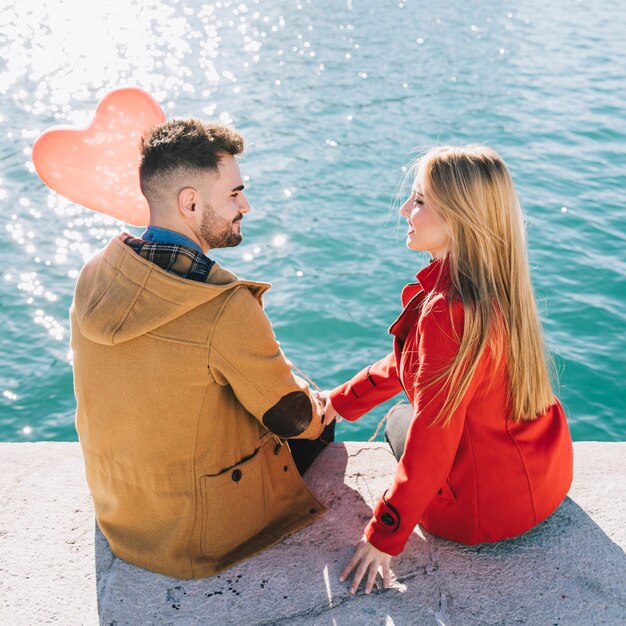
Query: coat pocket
[[446, 493], [233, 506]]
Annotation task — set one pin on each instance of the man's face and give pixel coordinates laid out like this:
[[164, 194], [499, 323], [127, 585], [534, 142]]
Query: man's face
[[223, 206]]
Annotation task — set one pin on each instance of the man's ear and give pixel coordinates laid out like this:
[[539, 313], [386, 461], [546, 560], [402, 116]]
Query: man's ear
[[187, 202]]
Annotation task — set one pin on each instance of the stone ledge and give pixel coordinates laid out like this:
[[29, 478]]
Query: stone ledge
[[569, 570]]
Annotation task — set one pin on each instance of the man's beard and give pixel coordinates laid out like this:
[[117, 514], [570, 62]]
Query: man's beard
[[218, 232]]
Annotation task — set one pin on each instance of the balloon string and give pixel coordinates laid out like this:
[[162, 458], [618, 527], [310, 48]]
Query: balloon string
[[308, 380], [380, 424], [382, 421], [312, 383]]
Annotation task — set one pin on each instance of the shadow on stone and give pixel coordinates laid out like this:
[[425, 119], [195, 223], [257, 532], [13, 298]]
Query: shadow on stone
[[565, 571]]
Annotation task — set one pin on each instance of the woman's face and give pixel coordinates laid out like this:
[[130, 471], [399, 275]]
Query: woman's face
[[426, 231]]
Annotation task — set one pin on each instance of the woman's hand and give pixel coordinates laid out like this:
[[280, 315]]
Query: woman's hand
[[329, 410], [366, 556]]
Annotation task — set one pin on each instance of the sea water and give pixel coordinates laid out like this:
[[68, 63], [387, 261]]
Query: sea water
[[334, 99]]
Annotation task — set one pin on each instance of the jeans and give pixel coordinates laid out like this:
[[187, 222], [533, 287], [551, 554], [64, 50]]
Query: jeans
[[305, 451], [397, 427]]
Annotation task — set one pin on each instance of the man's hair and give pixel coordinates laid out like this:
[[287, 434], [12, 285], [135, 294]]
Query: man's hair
[[190, 144]]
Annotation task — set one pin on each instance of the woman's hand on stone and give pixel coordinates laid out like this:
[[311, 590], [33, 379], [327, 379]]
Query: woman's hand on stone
[[368, 560]]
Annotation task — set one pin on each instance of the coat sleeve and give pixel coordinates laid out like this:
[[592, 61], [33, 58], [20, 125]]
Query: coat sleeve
[[370, 387], [430, 449], [245, 355]]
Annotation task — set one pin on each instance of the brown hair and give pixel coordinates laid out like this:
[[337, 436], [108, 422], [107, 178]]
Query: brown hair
[[185, 144], [472, 191]]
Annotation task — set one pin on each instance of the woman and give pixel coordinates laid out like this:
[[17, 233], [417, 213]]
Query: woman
[[488, 453]]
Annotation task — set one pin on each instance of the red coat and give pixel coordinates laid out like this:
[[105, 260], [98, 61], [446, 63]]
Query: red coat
[[483, 477]]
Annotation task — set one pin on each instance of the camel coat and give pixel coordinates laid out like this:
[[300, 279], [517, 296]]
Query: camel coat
[[173, 380]]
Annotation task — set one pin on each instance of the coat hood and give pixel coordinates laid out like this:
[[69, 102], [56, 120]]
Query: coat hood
[[120, 295]]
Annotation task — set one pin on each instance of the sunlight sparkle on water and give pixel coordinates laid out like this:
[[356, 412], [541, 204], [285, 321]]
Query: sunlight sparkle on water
[[69, 53], [55, 329], [245, 61]]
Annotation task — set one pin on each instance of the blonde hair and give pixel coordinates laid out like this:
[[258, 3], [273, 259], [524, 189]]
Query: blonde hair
[[472, 191]]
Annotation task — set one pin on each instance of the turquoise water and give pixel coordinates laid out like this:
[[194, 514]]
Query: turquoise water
[[334, 98]]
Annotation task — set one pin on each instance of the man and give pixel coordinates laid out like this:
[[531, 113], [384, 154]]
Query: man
[[184, 398]]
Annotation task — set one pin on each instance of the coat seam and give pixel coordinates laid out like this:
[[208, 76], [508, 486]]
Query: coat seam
[[121, 479], [194, 479], [526, 476], [471, 445], [216, 349], [209, 339], [157, 337], [97, 301], [252, 384], [130, 306]]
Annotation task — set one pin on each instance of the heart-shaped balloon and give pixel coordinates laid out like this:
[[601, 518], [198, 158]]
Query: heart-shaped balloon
[[98, 166]]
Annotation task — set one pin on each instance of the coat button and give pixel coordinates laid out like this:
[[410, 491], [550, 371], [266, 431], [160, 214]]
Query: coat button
[[387, 520], [277, 448], [237, 475]]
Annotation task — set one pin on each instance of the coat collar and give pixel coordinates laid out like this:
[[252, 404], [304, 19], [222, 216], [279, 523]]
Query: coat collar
[[435, 276]]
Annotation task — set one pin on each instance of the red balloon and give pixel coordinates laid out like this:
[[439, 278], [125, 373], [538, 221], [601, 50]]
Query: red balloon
[[98, 167]]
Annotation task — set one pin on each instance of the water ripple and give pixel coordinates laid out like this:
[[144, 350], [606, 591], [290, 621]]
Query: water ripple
[[333, 105]]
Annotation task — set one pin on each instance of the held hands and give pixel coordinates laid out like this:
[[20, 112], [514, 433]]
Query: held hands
[[323, 397], [366, 556]]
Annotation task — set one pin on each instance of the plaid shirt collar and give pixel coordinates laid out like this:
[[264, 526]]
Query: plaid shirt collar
[[175, 258]]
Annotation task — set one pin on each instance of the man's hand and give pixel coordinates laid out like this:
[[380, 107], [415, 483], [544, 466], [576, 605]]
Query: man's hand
[[366, 556], [330, 414]]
